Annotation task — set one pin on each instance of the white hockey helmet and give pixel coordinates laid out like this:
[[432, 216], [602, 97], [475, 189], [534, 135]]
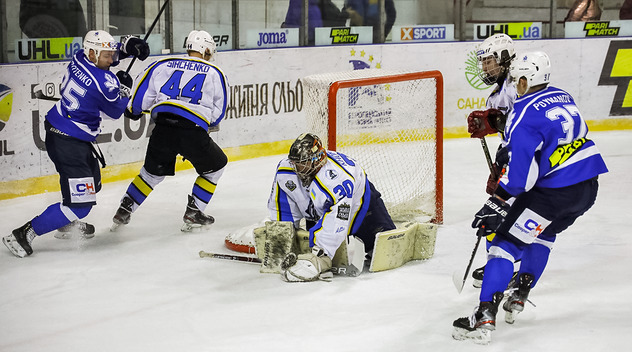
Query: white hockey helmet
[[534, 66], [201, 41], [501, 48], [99, 41]]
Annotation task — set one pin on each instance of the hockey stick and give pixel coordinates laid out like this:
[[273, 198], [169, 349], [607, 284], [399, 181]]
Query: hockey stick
[[239, 258], [455, 278], [40, 95], [151, 28], [458, 283], [490, 163]]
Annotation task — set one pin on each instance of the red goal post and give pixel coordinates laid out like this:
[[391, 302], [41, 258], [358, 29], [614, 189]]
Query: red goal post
[[392, 124]]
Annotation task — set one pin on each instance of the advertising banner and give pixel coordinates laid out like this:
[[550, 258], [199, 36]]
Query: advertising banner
[[272, 38], [598, 29], [343, 35], [423, 33], [516, 30]]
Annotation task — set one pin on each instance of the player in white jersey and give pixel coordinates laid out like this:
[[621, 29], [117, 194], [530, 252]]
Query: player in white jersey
[[551, 175], [89, 91], [494, 55], [186, 98], [332, 192]]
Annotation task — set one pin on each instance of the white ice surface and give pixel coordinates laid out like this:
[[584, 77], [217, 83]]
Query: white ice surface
[[145, 288]]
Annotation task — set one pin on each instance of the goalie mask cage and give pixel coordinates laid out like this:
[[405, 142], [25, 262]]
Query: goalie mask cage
[[392, 124]]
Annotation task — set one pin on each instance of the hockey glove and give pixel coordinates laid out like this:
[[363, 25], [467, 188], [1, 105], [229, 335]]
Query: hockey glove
[[130, 115], [126, 83], [481, 123], [134, 46], [491, 215], [500, 165]]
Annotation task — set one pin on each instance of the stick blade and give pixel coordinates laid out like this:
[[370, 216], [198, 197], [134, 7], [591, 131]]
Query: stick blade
[[458, 281]]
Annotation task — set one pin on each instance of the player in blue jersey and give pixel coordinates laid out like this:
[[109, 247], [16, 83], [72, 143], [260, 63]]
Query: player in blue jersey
[[89, 91], [494, 56], [552, 174], [187, 98], [332, 192]]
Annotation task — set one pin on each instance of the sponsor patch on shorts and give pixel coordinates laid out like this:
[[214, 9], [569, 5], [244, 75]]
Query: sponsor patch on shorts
[[528, 226], [82, 190]]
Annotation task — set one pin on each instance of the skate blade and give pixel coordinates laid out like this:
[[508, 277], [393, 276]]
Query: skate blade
[[510, 317], [115, 227], [72, 234], [14, 247], [194, 227], [478, 336]]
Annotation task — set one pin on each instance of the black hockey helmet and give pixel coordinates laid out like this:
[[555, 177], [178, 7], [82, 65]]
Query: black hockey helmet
[[307, 156]]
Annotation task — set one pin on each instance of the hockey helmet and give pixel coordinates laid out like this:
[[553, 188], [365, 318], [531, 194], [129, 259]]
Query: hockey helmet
[[99, 41], [534, 66], [307, 155], [201, 42], [500, 49]]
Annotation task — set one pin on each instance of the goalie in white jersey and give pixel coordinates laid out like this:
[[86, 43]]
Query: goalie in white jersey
[[332, 192], [186, 97]]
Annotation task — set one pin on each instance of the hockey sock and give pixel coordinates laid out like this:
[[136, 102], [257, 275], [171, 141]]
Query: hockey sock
[[534, 260], [56, 216], [141, 186], [204, 188], [498, 273]]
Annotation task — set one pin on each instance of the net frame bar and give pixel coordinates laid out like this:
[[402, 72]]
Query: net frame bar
[[438, 77]]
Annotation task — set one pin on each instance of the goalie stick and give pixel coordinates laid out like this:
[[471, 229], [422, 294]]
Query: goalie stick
[[240, 258]]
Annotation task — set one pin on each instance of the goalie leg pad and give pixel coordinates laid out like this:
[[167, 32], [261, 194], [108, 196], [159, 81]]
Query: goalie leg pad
[[279, 238]]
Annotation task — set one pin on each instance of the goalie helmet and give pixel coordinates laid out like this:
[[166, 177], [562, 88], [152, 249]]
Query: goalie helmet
[[99, 41], [201, 42], [534, 66], [499, 49], [307, 156]]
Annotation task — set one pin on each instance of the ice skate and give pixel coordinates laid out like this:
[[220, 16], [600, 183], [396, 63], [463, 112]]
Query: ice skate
[[19, 241], [480, 324], [75, 229], [518, 296], [194, 218], [123, 214]]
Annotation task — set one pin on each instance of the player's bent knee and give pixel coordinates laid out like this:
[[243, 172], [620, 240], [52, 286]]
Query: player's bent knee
[[81, 212]]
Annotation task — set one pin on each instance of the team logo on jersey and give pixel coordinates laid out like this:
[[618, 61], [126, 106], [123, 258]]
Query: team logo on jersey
[[111, 83], [332, 174], [528, 226], [616, 72], [343, 211], [290, 185]]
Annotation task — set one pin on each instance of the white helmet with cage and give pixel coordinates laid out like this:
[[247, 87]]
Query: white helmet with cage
[[534, 66], [500, 47], [201, 41], [99, 41]]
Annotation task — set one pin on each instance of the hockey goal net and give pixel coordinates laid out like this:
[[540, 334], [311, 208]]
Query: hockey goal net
[[392, 124]]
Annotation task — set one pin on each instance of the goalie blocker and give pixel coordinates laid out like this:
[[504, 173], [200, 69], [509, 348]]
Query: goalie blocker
[[393, 248]]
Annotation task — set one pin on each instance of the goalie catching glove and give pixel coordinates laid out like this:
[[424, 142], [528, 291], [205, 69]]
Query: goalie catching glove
[[312, 266], [134, 46], [481, 123], [491, 215]]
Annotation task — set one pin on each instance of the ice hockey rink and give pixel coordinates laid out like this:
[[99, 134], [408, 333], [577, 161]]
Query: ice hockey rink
[[144, 288]]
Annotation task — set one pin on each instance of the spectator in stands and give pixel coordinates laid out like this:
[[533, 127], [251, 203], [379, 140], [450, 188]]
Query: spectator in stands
[[625, 13], [367, 13], [584, 10], [293, 17]]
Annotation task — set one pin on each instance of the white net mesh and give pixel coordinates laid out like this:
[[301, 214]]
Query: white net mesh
[[389, 128]]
